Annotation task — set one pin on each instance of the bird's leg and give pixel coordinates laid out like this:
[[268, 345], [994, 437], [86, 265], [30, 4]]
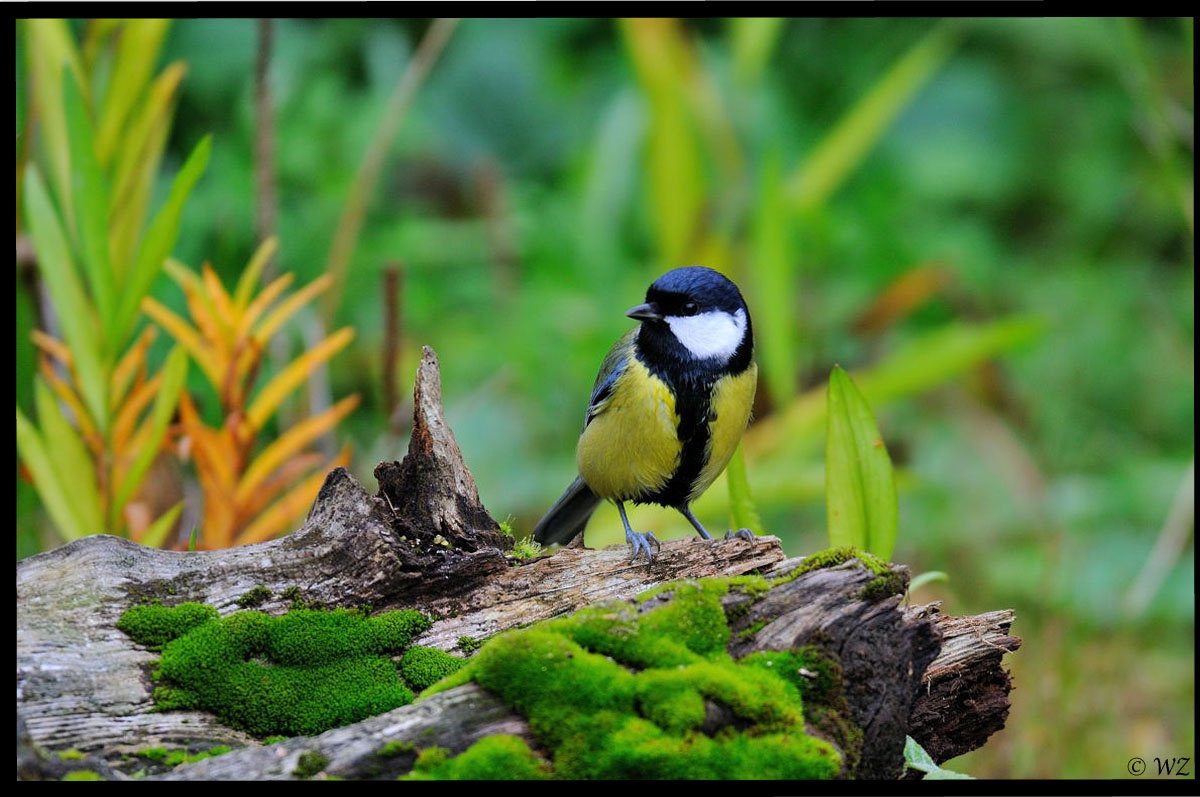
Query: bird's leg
[[686, 511], [639, 542]]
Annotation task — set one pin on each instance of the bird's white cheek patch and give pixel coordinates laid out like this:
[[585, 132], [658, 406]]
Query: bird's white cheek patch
[[712, 334]]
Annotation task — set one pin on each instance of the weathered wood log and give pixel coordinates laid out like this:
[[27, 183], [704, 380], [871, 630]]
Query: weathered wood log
[[967, 674], [426, 542]]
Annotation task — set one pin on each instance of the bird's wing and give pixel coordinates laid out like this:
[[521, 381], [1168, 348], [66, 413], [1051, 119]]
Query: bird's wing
[[612, 368]]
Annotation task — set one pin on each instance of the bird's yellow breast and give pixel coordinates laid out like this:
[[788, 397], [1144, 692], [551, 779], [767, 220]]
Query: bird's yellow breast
[[631, 447], [732, 399]]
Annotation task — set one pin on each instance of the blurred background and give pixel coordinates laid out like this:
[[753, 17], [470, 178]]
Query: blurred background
[[989, 223]]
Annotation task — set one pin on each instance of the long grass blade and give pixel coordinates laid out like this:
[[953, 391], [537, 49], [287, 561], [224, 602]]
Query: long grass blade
[[78, 318], [160, 237], [137, 49], [53, 493], [860, 488], [742, 510], [136, 164], [50, 47], [254, 269], [90, 192], [350, 222], [156, 534], [70, 459], [845, 146]]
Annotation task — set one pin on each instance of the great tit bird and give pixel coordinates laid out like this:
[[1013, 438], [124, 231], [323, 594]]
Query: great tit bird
[[668, 408]]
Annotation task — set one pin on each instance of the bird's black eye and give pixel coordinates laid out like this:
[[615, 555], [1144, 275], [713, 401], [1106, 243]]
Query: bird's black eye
[[690, 308]]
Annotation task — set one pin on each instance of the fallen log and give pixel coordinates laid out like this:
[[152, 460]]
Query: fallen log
[[425, 542]]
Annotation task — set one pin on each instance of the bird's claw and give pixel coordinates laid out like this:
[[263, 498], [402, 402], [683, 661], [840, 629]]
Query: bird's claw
[[745, 534], [642, 542]]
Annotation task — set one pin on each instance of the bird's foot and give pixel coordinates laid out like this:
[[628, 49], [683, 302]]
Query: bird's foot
[[641, 542], [745, 534]]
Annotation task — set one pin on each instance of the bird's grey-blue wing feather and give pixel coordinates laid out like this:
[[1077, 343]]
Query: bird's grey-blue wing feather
[[610, 370]]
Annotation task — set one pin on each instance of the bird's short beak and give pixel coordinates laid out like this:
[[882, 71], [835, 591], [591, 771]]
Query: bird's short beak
[[645, 312]]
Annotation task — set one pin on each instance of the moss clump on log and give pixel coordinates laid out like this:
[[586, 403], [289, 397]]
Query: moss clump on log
[[299, 674]]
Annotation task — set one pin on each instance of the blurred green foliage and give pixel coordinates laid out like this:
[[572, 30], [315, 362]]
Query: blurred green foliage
[[1036, 394]]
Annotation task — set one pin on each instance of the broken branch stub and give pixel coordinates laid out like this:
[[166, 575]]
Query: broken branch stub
[[431, 492]]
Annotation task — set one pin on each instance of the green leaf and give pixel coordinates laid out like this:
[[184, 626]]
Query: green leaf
[[742, 510], [55, 497], [928, 577], [137, 49], [192, 538], [916, 757], [860, 488], [91, 203], [673, 158], [752, 40], [847, 144], [774, 287], [159, 529], [160, 237], [70, 459], [174, 376], [50, 48], [75, 312]]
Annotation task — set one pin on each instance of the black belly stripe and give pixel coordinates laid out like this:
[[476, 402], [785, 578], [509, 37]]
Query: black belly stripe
[[692, 405]]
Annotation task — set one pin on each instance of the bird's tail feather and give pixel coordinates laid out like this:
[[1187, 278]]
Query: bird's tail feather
[[570, 513]]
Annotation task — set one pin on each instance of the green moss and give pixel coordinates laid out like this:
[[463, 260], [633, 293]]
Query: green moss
[[292, 596], [395, 748], [614, 692], [311, 762], [526, 548], [468, 644], [299, 674], [275, 739], [82, 774], [153, 753], [154, 625], [818, 678], [500, 757], [70, 755], [423, 667], [255, 597], [883, 587]]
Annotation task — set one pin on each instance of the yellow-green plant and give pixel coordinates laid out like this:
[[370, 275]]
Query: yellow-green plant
[[860, 490], [250, 497], [101, 123]]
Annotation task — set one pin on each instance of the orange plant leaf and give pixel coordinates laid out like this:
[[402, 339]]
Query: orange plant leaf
[[212, 454], [261, 302], [131, 362], [291, 442], [200, 308], [286, 510], [284, 477], [294, 302], [225, 316], [185, 335], [54, 347], [127, 416], [68, 396], [271, 396]]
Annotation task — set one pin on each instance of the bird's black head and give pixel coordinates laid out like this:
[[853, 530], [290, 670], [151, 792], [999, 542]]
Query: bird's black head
[[695, 314]]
